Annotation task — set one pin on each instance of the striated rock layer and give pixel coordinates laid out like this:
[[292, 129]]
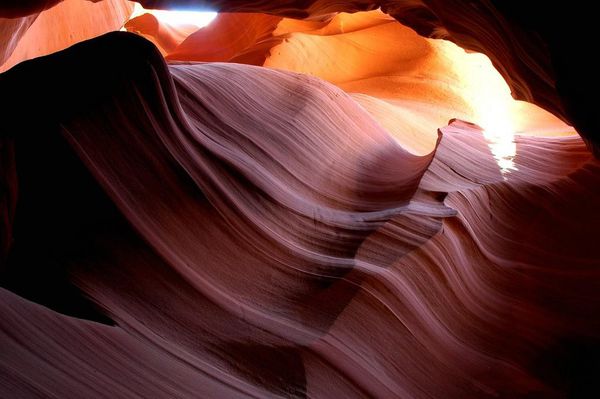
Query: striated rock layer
[[540, 48], [392, 72], [228, 230]]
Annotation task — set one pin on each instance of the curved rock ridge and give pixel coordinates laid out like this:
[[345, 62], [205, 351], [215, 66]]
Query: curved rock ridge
[[226, 230], [166, 37], [542, 64], [412, 78]]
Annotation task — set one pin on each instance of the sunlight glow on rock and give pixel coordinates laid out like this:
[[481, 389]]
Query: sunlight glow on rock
[[491, 102], [178, 17]]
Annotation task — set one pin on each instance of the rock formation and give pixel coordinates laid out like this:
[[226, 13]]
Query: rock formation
[[315, 199]]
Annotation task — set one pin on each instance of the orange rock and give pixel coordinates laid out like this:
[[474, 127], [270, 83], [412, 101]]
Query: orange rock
[[68, 22]]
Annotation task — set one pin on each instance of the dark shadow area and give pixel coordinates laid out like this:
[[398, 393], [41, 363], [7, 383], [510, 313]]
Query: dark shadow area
[[572, 365], [60, 210]]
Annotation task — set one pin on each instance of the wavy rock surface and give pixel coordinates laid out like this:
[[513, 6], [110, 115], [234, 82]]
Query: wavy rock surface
[[394, 73], [541, 64], [225, 230], [222, 229]]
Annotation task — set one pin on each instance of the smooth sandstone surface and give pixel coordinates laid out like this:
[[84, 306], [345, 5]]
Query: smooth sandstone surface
[[279, 207]]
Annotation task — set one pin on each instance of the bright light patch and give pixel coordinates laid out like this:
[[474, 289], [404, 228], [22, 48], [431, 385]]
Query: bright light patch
[[492, 108], [198, 19], [490, 100], [493, 112], [503, 147]]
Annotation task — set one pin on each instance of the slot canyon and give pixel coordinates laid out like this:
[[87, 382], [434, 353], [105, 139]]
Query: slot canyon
[[299, 199]]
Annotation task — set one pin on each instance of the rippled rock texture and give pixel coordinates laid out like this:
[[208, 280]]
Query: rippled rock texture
[[293, 202]]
